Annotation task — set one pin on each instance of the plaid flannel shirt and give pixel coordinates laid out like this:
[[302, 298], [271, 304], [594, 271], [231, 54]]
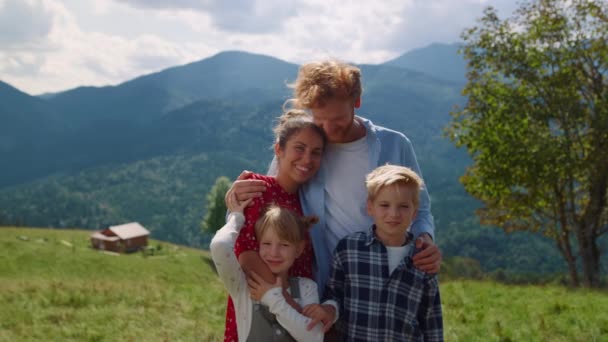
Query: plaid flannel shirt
[[377, 306]]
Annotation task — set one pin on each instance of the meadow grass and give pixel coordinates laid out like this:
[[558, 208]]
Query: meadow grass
[[54, 287], [489, 311]]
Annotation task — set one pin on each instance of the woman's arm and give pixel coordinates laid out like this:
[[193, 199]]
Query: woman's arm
[[222, 247], [247, 248], [251, 261], [289, 318], [222, 253]]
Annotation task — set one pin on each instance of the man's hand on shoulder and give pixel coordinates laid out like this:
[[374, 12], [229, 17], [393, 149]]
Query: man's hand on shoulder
[[429, 257]]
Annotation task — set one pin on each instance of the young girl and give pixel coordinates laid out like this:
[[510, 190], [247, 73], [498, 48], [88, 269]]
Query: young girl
[[268, 317], [298, 148]]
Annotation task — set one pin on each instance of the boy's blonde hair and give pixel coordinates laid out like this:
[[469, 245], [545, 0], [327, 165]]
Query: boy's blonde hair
[[320, 82], [285, 223], [386, 175]]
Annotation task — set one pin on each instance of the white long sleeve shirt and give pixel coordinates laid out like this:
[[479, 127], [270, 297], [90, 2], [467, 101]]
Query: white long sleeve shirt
[[235, 281]]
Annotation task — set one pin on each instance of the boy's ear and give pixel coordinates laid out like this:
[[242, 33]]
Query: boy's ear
[[369, 207], [358, 102]]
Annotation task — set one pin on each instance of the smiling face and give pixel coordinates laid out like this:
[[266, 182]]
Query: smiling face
[[337, 118], [278, 254], [299, 159], [393, 211]]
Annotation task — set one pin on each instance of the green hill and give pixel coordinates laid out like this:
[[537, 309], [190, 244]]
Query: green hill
[[53, 287], [441, 61]]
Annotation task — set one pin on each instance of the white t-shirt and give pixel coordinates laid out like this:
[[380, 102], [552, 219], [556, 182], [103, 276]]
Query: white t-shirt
[[346, 166], [395, 255]]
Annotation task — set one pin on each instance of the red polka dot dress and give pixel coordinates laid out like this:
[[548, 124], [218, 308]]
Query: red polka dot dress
[[246, 241]]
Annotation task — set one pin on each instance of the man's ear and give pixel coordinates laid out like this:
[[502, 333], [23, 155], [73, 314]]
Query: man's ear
[[369, 207], [358, 102]]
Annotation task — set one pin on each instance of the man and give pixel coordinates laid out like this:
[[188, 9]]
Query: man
[[331, 91]]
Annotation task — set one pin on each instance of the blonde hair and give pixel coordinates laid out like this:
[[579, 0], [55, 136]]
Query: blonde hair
[[386, 175], [293, 121], [287, 224], [319, 82]]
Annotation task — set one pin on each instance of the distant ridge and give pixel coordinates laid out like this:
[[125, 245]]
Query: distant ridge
[[231, 75], [441, 61]]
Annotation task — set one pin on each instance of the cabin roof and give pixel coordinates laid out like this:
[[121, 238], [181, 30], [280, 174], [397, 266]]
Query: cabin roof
[[129, 230], [100, 236]]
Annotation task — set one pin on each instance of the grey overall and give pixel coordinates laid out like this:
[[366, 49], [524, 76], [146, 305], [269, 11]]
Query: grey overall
[[264, 325]]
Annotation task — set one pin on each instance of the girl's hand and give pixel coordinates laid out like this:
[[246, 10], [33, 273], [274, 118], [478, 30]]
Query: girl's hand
[[245, 188], [234, 205], [320, 313], [258, 286]]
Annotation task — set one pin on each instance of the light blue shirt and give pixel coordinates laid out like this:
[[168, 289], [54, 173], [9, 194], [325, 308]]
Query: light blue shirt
[[385, 146]]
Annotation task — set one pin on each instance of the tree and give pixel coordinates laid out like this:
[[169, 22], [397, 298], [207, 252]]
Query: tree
[[536, 125], [215, 217]]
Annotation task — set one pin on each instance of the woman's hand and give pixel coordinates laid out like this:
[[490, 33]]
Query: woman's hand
[[258, 286]]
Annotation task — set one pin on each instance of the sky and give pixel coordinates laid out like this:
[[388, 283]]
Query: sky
[[55, 45]]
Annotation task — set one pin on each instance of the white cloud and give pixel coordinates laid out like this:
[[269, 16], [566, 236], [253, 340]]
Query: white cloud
[[237, 16], [439, 21], [73, 57], [24, 24], [53, 45]]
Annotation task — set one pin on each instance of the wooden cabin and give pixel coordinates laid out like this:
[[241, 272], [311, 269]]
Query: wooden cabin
[[124, 238]]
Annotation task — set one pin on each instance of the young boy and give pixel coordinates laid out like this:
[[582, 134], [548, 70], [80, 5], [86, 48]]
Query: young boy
[[374, 292]]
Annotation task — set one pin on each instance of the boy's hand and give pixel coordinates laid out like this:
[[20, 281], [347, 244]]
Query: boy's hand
[[234, 206], [320, 313], [245, 188], [429, 258], [258, 286]]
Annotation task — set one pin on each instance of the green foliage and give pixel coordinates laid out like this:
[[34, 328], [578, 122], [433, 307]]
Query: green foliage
[[215, 217], [163, 194], [536, 125]]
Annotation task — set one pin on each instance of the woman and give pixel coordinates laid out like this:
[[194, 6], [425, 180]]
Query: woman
[[298, 148]]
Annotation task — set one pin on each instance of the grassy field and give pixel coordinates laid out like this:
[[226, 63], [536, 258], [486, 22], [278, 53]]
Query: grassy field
[[53, 287]]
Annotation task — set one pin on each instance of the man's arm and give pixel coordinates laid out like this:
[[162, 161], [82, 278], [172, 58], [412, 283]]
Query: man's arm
[[423, 227], [424, 222]]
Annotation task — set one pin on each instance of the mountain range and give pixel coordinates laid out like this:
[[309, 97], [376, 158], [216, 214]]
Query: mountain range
[[149, 149]]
